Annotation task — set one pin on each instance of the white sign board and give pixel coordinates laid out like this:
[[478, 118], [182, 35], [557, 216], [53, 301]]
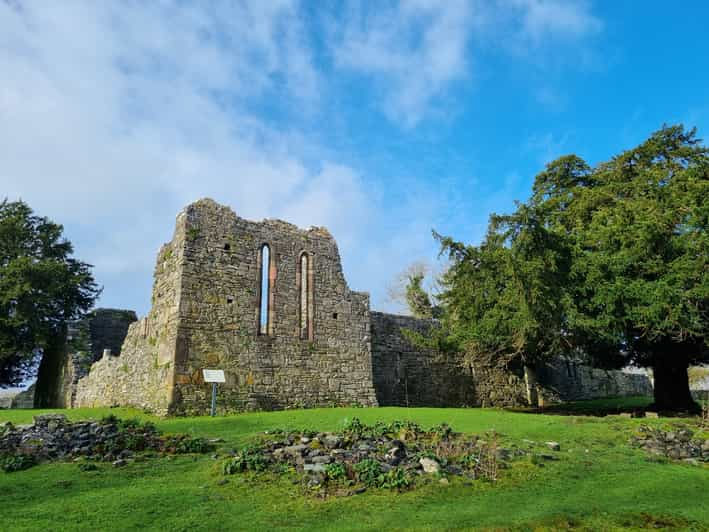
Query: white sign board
[[213, 375]]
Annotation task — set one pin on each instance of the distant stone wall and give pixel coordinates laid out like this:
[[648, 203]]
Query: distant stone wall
[[565, 379], [408, 375], [108, 329], [560, 380], [6, 398], [497, 384], [24, 399]]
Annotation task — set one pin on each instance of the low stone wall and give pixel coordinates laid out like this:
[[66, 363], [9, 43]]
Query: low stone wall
[[407, 375], [135, 378], [24, 399], [565, 379], [6, 398]]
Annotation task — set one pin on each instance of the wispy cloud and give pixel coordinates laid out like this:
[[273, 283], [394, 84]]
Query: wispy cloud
[[416, 50], [541, 19]]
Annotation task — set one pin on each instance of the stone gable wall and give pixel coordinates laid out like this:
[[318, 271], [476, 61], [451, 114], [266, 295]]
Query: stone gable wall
[[219, 318]]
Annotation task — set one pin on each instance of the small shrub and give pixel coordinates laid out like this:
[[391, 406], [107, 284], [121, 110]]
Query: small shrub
[[395, 479], [184, 444], [109, 420], [134, 442], [336, 471], [88, 466], [470, 461], [128, 424], [192, 233], [354, 427], [16, 462], [441, 432], [368, 472], [249, 459]]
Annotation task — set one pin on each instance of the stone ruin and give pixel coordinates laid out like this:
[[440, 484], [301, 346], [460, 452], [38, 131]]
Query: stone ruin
[[268, 303]]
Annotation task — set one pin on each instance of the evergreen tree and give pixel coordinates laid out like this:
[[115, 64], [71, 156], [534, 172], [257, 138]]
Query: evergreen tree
[[611, 262], [42, 287]]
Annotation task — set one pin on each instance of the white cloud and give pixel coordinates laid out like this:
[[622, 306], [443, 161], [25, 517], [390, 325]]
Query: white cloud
[[114, 118], [416, 47], [558, 18], [114, 115]]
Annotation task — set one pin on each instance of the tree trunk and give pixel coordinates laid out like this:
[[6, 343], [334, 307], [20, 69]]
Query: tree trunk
[[48, 391], [672, 385], [530, 379]]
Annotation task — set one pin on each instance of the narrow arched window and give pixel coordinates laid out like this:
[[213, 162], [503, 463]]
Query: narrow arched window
[[305, 291], [264, 290]]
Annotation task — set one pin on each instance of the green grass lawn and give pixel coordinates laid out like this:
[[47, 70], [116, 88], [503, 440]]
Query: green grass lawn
[[599, 483]]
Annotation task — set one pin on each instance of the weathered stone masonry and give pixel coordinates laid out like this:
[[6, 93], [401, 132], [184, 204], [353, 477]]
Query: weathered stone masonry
[[205, 314], [303, 339], [409, 375]]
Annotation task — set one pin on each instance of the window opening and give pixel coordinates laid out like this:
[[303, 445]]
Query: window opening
[[265, 290]]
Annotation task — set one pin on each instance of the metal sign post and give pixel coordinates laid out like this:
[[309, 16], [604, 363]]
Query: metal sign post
[[214, 399], [214, 376]]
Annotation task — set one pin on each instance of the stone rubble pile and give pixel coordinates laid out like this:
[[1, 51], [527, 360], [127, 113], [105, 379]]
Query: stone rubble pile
[[53, 437], [678, 444], [382, 453]]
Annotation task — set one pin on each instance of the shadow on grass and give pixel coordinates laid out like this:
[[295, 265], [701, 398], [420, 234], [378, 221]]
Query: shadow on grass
[[609, 406]]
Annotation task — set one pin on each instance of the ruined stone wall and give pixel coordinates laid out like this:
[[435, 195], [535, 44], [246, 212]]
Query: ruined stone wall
[[102, 328], [498, 385], [560, 380], [142, 374], [219, 318], [409, 375], [24, 399], [566, 379], [205, 315], [135, 378]]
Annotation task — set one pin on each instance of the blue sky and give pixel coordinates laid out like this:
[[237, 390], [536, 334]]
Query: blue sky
[[379, 120]]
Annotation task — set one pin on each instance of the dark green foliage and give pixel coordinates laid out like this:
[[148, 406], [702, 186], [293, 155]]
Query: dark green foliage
[[368, 472], [184, 443], [17, 462], [610, 262], [41, 288], [336, 471], [395, 479], [88, 466], [396, 429], [248, 459]]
